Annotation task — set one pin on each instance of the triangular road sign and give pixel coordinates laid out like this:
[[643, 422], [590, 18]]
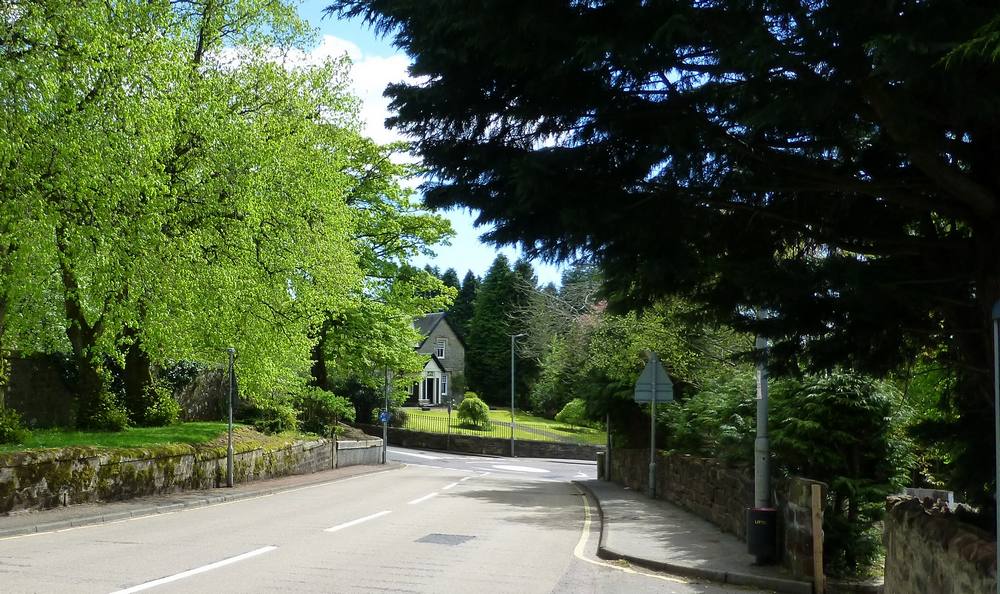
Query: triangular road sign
[[654, 374]]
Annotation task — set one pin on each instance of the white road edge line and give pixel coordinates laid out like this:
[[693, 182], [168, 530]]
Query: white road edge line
[[196, 571], [356, 522], [581, 545], [455, 484], [402, 453], [424, 498]]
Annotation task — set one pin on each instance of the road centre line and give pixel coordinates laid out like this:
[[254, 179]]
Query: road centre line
[[422, 499], [455, 484], [196, 571], [356, 522], [464, 479]]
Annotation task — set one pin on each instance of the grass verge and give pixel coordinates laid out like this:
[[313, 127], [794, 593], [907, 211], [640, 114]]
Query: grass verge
[[138, 437]]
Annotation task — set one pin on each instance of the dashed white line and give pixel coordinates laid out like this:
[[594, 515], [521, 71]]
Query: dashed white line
[[196, 571], [356, 522], [422, 499], [455, 484], [465, 479]]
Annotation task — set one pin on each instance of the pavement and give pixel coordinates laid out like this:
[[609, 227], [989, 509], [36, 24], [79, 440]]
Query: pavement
[[86, 514], [661, 536]]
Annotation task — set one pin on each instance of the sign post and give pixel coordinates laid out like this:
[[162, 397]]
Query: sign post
[[653, 385]]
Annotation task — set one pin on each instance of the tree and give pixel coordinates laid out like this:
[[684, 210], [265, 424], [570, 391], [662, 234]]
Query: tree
[[487, 358], [182, 190], [460, 313], [830, 163]]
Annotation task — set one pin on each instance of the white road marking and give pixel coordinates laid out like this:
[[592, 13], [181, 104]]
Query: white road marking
[[581, 545], [356, 522], [196, 571], [465, 479], [455, 484], [425, 456], [519, 468], [424, 498], [581, 475]]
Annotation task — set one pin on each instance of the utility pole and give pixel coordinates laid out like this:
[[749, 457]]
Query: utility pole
[[385, 417]]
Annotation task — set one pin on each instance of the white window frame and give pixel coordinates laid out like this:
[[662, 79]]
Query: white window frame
[[444, 384], [440, 346]]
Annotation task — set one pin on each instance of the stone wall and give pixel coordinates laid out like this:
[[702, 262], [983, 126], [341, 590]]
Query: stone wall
[[929, 549], [50, 478], [489, 446], [721, 494], [707, 487], [795, 533], [38, 392], [352, 453]]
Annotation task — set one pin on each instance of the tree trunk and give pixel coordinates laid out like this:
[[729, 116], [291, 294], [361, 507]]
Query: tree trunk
[[320, 375], [138, 377]]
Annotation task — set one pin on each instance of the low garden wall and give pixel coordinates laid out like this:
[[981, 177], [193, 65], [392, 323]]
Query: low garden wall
[[490, 446], [50, 478], [929, 549], [721, 494]]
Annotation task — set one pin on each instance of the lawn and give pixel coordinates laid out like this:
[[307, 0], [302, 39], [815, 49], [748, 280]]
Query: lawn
[[182, 433], [528, 427]]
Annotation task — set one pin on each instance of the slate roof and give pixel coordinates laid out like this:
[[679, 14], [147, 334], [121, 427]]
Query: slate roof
[[426, 324]]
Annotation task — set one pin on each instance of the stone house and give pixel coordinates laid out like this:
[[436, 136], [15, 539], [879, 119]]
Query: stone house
[[443, 375]]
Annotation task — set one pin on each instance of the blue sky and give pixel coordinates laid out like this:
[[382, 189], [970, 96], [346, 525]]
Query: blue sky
[[377, 63]]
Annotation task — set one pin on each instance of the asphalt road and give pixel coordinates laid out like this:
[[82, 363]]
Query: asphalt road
[[442, 524]]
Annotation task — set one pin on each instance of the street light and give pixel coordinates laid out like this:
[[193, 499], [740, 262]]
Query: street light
[[996, 418], [229, 446], [512, 337]]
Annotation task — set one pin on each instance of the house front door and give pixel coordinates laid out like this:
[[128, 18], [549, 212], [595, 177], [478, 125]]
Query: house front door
[[430, 390]]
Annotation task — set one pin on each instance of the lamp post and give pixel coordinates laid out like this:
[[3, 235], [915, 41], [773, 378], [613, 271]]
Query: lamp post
[[996, 420], [512, 338], [229, 447]]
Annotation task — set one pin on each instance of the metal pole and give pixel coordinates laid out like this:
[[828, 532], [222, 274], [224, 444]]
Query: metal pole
[[229, 447], [607, 455], [447, 443], [996, 422], [761, 447], [512, 396], [652, 438], [385, 417]]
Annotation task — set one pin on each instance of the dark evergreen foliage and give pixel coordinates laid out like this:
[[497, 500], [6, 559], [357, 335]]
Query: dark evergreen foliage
[[460, 313], [487, 356], [833, 163]]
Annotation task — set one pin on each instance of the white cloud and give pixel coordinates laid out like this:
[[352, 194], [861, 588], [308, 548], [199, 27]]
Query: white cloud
[[369, 77]]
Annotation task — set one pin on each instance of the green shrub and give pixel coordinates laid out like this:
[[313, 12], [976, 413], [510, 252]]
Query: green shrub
[[108, 413], [320, 411], [574, 413], [272, 416], [161, 408], [473, 411], [398, 416], [11, 429]]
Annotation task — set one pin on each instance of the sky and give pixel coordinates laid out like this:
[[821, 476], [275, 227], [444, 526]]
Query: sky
[[376, 64]]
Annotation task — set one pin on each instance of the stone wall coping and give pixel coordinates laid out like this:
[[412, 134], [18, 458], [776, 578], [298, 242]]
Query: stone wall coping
[[358, 444], [939, 523], [125, 455]]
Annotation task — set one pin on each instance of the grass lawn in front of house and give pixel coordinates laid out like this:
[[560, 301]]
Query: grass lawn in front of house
[[528, 426]]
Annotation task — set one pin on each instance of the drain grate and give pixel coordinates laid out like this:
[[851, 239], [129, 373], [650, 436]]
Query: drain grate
[[445, 539]]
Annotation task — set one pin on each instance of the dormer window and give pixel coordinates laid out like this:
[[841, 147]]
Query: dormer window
[[439, 347]]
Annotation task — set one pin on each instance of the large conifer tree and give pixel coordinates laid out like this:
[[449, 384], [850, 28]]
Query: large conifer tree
[[831, 162], [487, 355]]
